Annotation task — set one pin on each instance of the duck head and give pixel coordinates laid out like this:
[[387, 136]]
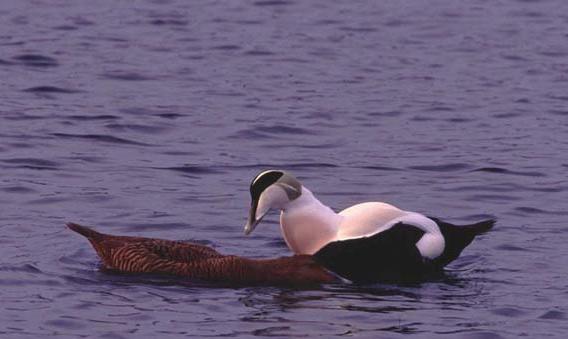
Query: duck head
[[272, 189]]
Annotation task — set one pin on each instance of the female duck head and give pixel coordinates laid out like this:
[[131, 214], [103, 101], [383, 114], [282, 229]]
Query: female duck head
[[270, 189]]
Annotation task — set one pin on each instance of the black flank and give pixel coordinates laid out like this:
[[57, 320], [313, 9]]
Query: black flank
[[388, 256], [392, 255]]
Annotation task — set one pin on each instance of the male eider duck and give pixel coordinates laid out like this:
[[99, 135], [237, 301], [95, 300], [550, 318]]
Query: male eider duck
[[367, 242], [198, 262]]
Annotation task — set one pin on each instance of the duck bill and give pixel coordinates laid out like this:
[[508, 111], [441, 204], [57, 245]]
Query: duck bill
[[250, 226], [252, 221]]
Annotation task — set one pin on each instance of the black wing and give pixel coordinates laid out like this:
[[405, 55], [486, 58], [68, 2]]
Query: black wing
[[390, 255]]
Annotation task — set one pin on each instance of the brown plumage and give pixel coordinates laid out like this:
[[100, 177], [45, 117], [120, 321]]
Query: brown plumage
[[194, 261]]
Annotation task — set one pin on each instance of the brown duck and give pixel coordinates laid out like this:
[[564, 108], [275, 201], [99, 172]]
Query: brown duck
[[194, 261]]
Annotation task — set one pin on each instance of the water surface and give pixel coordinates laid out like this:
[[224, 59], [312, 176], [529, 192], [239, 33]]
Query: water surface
[[151, 119]]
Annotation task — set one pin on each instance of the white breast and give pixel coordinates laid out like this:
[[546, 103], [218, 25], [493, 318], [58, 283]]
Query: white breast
[[305, 230]]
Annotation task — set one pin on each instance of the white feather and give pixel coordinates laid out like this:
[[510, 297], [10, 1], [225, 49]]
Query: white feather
[[308, 225]]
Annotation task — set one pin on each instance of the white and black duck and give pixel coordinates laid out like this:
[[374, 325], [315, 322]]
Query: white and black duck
[[371, 241]]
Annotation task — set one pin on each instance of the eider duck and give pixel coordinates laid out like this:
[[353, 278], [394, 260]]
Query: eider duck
[[199, 262], [367, 242]]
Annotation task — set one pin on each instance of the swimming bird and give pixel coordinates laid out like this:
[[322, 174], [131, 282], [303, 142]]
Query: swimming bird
[[199, 262], [371, 241]]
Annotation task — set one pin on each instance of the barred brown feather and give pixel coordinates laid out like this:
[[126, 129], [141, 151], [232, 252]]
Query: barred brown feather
[[194, 261]]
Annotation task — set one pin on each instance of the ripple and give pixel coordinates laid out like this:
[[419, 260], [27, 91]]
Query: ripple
[[507, 115], [386, 114], [36, 60], [442, 168], [49, 200], [33, 163], [514, 57], [68, 324], [501, 170], [554, 54], [157, 226], [29, 282], [100, 138], [87, 159], [162, 112], [217, 92], [66, 28], [326, 22], [358, 29], [18, 189], [305, 145], [268, 132], [227, 47], [380, 168], [554, 315], [50, 89], [218, 169], [558, 97], [476, 334], [271, 331], [80, 21], [459, 120], [191, 169], [378, 309], [533, 210], [169, 22], [508, 312], [512, 248], [146, 129], [492, 197], [558, 112], [272, 3], [26, 268], [92, 117], [258, 52], [125, 76], [530, 210], [169, 115], [23, 117], [300, 165], [276, 243], [285, 130]]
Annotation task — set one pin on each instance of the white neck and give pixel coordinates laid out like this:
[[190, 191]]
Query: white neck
[[307, 224]]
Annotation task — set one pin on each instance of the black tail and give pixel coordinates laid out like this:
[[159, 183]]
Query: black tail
[[480, 227], [85, 231], [458, 237]]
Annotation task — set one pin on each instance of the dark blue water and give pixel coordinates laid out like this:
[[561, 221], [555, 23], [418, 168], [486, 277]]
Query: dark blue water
[[151, 118]]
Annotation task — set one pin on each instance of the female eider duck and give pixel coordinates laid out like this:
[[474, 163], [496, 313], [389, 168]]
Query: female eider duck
[[194, 261], [367, 242]]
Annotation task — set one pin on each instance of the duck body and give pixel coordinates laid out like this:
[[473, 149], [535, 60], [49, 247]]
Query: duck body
[[308, 225], [159, 256], [371, 241]]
